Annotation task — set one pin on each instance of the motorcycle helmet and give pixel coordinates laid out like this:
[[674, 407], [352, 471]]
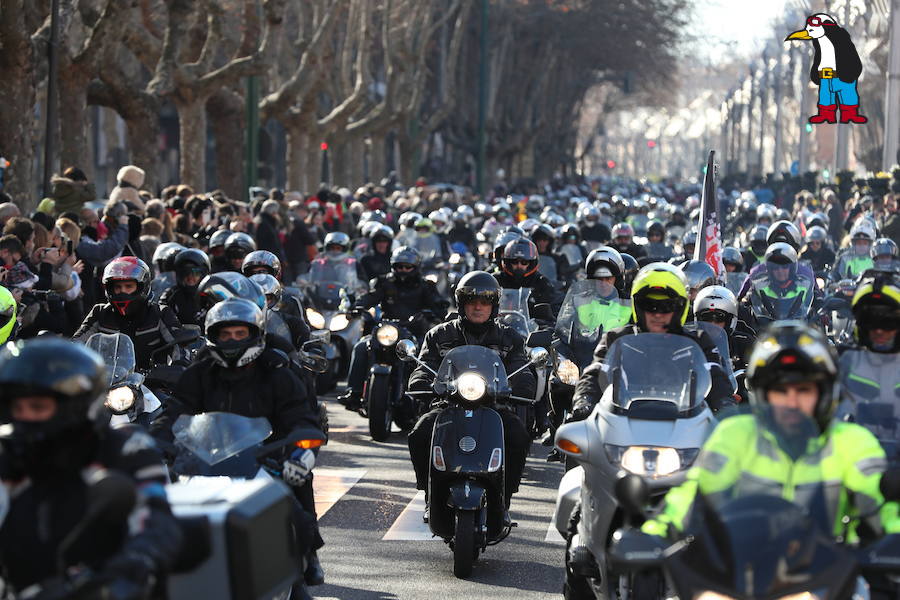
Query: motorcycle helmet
[[237, 246], [661, 287], [72, 374], [438, 220], [261, 261], [784, 231], [569, 234], [758, 236], [606, 261], [699, 274], [231, 312], [191, 262], [717, 303], [164, 256], [127, 268], [218, 287], [500, 243], [408, 219], [529, 225], [590, 215], [689, 242], [336, 243], [656, 228], [405, 262], [816, 220], [816, 234], [876, 305], [765, 212], [884, 253], [382, 233], [792, 352], [519, 251], [271, 288], [622, 230], [631, 270], [217, 242], [862, 231], [544, 232], [511, 229], [778, 256], [500, 211], [8, 306], [424, 227], [464, 214], [732, 256], [478, 284]]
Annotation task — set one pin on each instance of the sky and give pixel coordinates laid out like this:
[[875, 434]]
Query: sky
[[738, 25]]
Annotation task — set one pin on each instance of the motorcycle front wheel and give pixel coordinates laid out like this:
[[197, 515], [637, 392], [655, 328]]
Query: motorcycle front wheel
[[378, 396], [464, 544]]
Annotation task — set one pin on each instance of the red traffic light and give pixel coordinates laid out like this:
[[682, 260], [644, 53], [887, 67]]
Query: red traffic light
[[610, 164], [651, 143], [323, 146]]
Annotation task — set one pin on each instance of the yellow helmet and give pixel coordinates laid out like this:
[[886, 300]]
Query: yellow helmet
[[8, 307], [876, 304], [659, 282]]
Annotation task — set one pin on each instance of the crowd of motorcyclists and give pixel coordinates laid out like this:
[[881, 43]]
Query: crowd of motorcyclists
[[232, 306]]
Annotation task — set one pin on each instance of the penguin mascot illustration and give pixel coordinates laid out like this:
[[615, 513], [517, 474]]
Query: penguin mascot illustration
[[835, 69]]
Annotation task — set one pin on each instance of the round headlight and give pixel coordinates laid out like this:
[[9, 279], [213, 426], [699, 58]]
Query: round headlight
[[387, 335], [120, 399], [567, 371], [315, 318], [339, 322], [471, 386]]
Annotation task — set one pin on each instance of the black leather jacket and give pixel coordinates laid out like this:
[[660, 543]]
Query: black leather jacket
[[402, 300]]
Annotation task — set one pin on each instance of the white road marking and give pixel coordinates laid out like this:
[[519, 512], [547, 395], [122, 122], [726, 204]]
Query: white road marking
[[331, 484], [553, 535], [409, 525]]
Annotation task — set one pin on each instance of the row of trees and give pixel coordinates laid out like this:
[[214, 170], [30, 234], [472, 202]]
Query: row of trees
[[351, 73]]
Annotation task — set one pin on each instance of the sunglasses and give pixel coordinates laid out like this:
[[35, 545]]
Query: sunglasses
[[514, 262], [404, 268], [816, 22], [714, 316], [881, 321]]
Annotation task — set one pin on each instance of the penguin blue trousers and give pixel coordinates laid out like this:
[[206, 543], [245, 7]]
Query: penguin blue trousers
[[829, 89]]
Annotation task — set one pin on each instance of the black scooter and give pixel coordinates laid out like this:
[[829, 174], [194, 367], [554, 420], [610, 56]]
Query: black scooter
[[467, 462]]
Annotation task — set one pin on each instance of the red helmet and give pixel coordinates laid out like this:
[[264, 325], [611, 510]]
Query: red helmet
[[127, 268], [520, 250]]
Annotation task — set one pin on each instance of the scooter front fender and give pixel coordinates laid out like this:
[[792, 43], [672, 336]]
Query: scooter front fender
[[467, 495]]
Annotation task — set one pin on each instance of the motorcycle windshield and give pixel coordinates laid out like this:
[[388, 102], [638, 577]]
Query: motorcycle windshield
[[679, 375], [331, 276], [720, 338], [117, 351], [770, 529], [588, 311], [572, 254], [514, 311], [547, 267], [775, 300], [429, 247], [734, 281], [877, 416], [276, 325], [216, 436], [461, 363]]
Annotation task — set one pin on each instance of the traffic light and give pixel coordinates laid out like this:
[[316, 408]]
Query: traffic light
[[323, 146], [610, 164], [651, 143]]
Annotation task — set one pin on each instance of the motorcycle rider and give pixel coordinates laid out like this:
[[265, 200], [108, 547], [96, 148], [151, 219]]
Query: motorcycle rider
[[659, 304], [164, 263], [56, 436], [757, 244], [216, 251], [591, 229], [884, 255], [519, 269], [478, 299], [237, 247], [402, 293], [817, 253], [571, 252], [718, 305], [855, 260], [793, 374], [129, 310], [688, 243], [605, 265], [699, 274], [657, 249], [462, 230], [623, 241], [544, 237], [191, 266], [378, 260], [241, 375]]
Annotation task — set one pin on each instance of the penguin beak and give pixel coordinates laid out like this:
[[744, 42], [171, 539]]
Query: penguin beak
[[799, 35]]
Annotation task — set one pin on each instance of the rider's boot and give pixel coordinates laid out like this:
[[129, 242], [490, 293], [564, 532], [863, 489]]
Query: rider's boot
[[351, 399], [314, 574]]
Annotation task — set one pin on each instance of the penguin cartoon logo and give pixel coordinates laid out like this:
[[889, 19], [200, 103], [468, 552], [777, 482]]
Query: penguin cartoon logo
[[835, 69]]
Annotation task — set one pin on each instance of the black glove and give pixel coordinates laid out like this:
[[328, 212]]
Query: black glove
[[581, 408]]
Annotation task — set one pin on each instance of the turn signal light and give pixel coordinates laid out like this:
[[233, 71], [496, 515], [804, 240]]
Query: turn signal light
[[568, 446], [307, 444]]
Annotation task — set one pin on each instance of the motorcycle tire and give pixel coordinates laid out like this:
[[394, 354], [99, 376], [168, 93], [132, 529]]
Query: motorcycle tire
[[464, 544], [378, 396]]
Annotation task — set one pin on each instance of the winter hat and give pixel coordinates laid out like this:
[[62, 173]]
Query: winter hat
[[131, 176]]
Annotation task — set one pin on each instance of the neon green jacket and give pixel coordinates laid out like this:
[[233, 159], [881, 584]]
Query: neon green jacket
[[603, 314], [741, 459]]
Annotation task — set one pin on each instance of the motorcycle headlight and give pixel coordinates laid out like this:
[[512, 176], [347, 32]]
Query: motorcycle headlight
[[568, 372], [432, 278], [120, 400], [455, 259], [315, 318], [651, 461], [471, 386], [817, 595], [339, 322], [387, 335]]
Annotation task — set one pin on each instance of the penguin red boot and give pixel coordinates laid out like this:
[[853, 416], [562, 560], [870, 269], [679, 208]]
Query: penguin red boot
[[849, 114], [827, 114]]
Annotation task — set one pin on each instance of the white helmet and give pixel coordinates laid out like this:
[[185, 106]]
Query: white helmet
[[719, 300]]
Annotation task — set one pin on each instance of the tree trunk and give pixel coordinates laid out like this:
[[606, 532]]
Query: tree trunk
[[227, 120], [296, 158], [355, 151], [408, 170], [74, 131], [377, 159], [192, 146], [338, 155], [17, 97]]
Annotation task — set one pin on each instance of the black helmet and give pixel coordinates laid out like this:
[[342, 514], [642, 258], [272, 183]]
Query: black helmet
[[568, 231], [500, 243], [191, 262], [876, 305], [127, 268], [238, 245], [71, 373], [221, 286], [699, 274], [478, 284], [230, 312], [408, 257], [218, 239], [520, 249], [382, 233], [792, 352], [261, 259], [758, 236], [164, 256], [606, 261], [631, 269], [732, 256], [816, 233], [784, 231], [544, 231]]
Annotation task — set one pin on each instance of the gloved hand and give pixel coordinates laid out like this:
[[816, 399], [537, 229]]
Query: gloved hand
[[297, 467], [580, 410]]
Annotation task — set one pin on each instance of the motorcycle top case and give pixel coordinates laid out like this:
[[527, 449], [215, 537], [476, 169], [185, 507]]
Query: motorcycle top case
[[252, 556]]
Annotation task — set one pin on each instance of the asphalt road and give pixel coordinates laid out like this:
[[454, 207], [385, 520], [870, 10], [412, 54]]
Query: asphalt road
[[378, 548]]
